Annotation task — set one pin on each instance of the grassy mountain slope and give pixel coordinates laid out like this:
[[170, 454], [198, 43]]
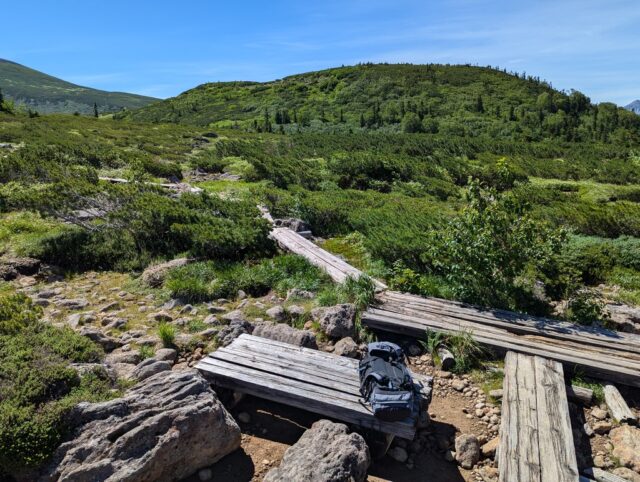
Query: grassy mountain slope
[[459, 100], [47, 94]]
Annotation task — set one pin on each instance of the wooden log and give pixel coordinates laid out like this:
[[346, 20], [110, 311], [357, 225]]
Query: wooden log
[[447, 360], [574, 393], [599, 475], [580, 394], [618, 408]]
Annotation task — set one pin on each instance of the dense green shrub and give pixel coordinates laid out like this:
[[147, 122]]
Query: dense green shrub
[[211, 280], [37, 387], [488, 250]]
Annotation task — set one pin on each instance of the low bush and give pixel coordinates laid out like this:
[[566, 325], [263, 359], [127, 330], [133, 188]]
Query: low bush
[[167, 334], [37, 386], [206, 281]]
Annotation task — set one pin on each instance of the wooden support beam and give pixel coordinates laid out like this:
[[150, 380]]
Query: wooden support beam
[[617, 406]]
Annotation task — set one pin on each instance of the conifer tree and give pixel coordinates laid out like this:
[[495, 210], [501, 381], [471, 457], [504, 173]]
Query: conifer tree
[[95, 110], [479, 104]]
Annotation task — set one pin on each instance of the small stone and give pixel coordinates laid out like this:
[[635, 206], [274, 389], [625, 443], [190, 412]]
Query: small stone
[[449, 455], [458, 385], [598, 461], [398, 454], [489, 449], [467, 450], [244, 417], [205, 474], [241, 295], [598, 413], [277, 313], [602, 428], [160, 316], [588, 430]]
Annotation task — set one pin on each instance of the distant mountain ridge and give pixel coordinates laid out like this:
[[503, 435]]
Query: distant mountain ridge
[[46, 94], [634, 106]]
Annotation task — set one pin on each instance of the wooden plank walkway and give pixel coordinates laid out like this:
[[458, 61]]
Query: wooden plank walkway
[[307, 379], [600, 353], [338, 269], [536, 442]]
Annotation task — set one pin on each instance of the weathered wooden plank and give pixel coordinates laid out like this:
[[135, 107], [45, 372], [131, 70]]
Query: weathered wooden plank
[[338, 269], [555, 439], [606, 339], [613, 368], [617, 406], [536, 442]]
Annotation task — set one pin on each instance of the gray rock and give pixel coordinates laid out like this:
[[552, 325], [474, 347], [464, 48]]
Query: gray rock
[[294, 224], [47, 293], [233, 315], [277, 313], [346, 347], [296, 310], [155, 275], [398, 454], [23, 265], [467, 450], [287, 334], [160, 316], [210, 320], [241, 295], [114, 305], [166, 354], [123, 370], [336, 321], [215, 309], [298, 294], [171, 304], [108, 344], [72, 304], [123, 357], [233, 330], [205, 474], [41, 302], [327, 452], [625, 317], [166, 428], [7, 273], [149, 367]]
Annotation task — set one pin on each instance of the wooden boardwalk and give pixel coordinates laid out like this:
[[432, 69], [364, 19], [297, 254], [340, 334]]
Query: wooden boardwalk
[[338, 269], [610, 355], [536, 442], [307, 379]]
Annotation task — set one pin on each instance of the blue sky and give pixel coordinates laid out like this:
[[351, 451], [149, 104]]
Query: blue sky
[[162, 48]]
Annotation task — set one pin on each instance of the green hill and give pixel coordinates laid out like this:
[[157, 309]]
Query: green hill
[[458, 100], [47, 94]]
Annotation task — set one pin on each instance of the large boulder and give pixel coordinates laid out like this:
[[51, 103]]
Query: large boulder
[[336, 321], [23, 265], [149, 367], [107, 343], [165, 428], [626, 446], [624, 317], [155, 275], [286, 334], [327, 452]]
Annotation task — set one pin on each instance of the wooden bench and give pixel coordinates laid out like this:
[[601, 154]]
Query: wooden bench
[[308, 379], [536, 441]]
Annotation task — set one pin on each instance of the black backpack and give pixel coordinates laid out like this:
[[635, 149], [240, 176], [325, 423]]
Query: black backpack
[[385, 382]]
